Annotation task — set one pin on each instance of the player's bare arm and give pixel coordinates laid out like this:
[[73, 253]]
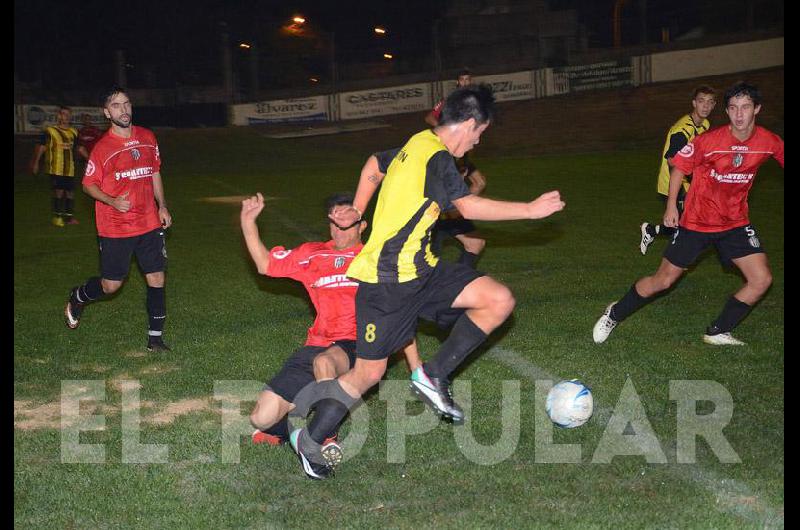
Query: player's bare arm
[[483, 209], [119, 203], [37, 156], [368, 183], [671, 214], [158, 192], [251, 208]]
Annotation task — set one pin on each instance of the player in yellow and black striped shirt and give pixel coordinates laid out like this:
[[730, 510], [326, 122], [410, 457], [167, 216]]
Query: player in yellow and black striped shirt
[[401, 280], [681, 133], [59, 143]]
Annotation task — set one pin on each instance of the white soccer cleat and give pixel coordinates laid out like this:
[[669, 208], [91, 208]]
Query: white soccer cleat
[[722, 339], [604, 326], [646, 240]]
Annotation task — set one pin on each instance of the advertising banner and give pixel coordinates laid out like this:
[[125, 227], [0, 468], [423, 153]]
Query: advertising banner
[[382, 101], [298, 110]]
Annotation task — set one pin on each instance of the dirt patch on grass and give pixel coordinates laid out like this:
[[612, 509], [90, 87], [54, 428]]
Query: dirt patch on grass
[[30, 416], [173, 411]]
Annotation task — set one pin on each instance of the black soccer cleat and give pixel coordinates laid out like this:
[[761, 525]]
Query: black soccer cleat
[[318, 461], [156, 344], [73, 309], [435, 392]]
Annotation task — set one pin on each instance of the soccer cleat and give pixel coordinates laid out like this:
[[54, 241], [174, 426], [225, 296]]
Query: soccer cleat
[[58, 221], [318, 462], [156, 344], [73, 310], [73, 221], [261, 437], [605, 325], [435, 392], [647, 239], [722, 339]]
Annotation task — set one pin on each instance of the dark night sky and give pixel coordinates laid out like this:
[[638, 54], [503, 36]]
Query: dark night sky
[[74, 41], [78, 38]]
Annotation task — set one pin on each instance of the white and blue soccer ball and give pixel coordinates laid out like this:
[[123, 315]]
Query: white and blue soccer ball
[[569, 404]]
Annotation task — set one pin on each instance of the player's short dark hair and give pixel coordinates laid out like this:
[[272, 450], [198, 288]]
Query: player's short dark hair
[[64, 107], [463, 72], [473, 101], [338, 199], [110, 92], [704, 89], [743, 89]]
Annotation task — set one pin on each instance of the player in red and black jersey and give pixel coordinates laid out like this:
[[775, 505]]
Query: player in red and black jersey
[[724, 163], [123, 175], [88, 135], [329, 349]]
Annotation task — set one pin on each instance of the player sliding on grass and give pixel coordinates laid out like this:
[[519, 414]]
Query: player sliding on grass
[[400, 279], [329, 349], [724, 163]]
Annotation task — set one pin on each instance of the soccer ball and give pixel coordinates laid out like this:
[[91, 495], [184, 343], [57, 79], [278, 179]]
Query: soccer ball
[[569, 404]]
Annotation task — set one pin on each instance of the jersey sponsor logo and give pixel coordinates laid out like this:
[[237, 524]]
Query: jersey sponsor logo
[[687, 151], [135, 154], [281, 254], [90, 169], [337, 280], [131, 142], [737, 160], [134, 174], [739, 148], [732, 178]]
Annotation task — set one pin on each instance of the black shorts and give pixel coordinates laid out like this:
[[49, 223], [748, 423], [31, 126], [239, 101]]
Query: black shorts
[[59, 182], [115, 254], [298, 370], [387, 313], [687, 245]]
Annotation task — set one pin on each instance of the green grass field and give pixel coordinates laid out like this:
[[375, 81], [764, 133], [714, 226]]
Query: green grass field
[[231, 328]]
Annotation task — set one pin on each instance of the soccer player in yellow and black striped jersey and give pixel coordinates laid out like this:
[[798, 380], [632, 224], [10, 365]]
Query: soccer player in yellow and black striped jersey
[[401, 280], [59, 143], [681, 133]]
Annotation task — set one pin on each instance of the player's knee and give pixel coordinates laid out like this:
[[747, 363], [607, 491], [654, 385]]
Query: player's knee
[[324, 367], [110, 286], [503, 301], [475, 245], [370, 375], [761, 282], [266, 412], [155, 279]]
